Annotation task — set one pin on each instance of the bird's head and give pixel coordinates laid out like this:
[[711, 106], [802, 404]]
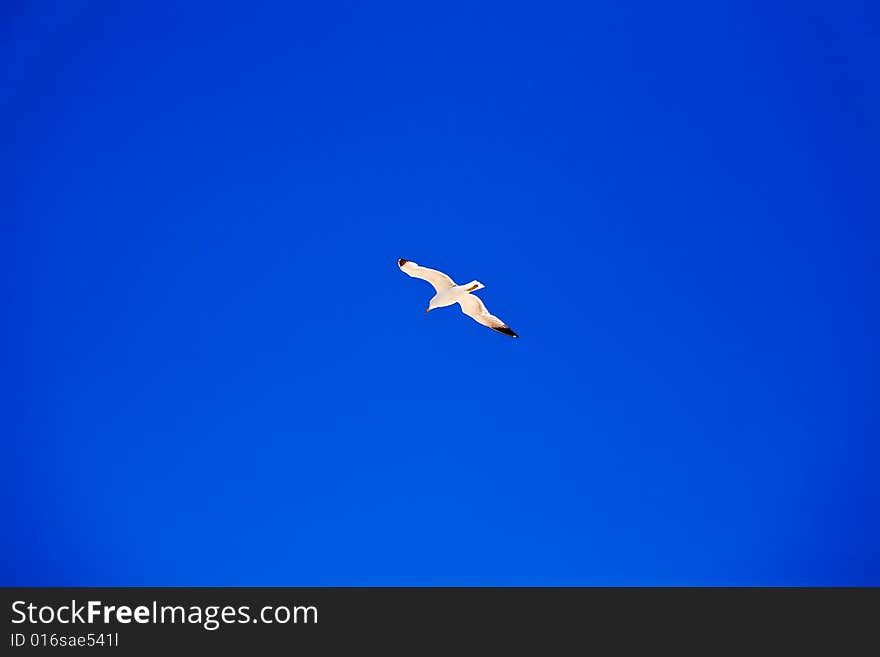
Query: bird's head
[[430, 307]]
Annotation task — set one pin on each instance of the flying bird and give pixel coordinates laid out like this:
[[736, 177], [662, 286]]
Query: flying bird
[[449, 293]]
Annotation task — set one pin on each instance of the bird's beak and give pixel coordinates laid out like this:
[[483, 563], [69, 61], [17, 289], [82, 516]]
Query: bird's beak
[[427, 311]]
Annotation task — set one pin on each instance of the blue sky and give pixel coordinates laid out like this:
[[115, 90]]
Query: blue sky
[[217, 375]]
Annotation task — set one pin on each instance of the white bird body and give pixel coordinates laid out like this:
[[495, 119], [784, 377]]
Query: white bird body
[[448, 293], [453, 295]]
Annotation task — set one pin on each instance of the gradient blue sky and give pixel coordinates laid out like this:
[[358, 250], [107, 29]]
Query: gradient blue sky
[[215, 373]]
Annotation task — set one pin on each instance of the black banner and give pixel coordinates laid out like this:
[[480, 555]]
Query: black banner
[[130, 620]]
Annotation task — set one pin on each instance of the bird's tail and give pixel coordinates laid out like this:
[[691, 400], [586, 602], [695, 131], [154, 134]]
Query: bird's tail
[[474, 285]]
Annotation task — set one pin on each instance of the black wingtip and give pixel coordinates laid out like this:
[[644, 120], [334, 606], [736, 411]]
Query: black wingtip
[[401, 262], [506, 330]]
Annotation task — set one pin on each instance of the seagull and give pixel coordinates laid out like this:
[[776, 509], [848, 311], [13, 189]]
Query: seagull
[[449, 293]]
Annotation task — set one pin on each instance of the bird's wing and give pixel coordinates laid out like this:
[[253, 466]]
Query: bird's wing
[[438, 279], [473, 307]]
